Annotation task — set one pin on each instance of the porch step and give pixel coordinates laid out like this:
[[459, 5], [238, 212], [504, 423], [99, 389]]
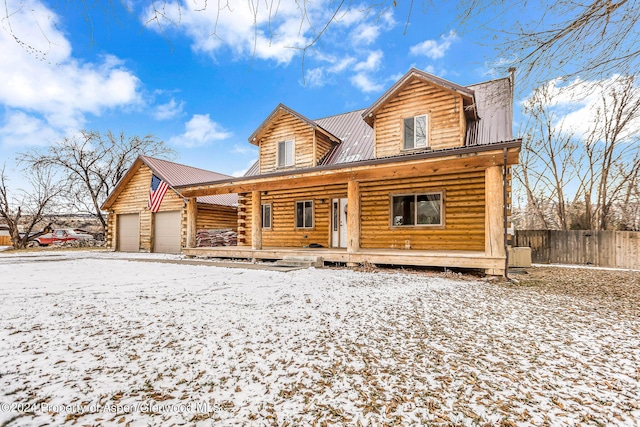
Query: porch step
[[299, 261]]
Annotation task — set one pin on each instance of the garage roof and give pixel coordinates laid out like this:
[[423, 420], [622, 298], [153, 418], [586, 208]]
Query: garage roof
[[175, 174]]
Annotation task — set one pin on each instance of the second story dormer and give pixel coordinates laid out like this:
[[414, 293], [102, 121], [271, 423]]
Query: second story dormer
[[287, 140], [420, 112]]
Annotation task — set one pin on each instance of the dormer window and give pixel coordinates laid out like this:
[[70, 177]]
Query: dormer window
[[285, 154], [416, 132]]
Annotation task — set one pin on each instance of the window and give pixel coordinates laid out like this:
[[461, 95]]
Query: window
[[304, 214], [416, 132], [416, 209], [266, 216], [285, 154]]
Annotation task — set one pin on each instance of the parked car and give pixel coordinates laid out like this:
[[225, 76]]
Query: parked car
[[62, 236]]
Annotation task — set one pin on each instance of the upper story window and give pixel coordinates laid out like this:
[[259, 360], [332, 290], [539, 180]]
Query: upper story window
[[416, 132], [285, 154]]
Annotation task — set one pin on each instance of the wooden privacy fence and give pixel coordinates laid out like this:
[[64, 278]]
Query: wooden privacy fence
[[619, 249]]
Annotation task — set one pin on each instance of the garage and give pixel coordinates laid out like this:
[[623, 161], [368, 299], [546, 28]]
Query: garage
[[129, 232], [167, 232]]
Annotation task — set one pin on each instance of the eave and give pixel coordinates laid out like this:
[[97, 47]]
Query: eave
[[432, 162]]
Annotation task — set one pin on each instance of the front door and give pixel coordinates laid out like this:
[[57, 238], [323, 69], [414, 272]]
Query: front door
[[339, 223]]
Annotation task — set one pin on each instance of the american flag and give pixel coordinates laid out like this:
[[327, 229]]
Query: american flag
[[156, 193]]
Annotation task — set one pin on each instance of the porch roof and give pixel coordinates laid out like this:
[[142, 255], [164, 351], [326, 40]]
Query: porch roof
[[459, 158]]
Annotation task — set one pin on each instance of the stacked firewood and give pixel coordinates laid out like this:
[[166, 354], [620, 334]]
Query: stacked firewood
[[210, 238]]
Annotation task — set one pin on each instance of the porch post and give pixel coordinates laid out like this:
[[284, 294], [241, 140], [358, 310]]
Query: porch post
[[353, 216], [494, 217], [256, 220], [192, 216]]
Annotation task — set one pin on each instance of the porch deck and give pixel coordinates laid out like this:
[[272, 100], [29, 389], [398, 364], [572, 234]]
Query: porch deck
[[453, 258]]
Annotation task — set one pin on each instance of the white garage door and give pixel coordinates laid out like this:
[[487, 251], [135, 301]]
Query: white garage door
[[167, 232], [129, 233]]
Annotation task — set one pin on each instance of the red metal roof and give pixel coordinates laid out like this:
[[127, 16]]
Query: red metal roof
[[176, 174]]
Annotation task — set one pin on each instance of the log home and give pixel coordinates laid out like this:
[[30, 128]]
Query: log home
[[132, 227], [421, 177]]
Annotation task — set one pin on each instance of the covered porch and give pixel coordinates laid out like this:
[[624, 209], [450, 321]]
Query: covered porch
[[473, 236]]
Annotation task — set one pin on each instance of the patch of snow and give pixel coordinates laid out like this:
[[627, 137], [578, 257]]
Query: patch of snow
[[92, 337]]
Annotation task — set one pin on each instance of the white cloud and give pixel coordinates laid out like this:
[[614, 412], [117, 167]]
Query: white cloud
[[199, 131], [372, 63], [21, 129], [365, 83], [40, 78], [315, 77], [577, 104], [435, 49], [169, 110], [244, 149], [271, 31], [365, 34]]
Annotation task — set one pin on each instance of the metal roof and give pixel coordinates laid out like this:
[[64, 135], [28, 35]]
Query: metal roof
[[410, 156], [492, 123], [356, 136], [176, 174], [494, 102], [230, 199]]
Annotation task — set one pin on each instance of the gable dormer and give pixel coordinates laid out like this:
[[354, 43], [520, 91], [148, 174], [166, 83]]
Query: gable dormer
[[288, 140], [420, 112]]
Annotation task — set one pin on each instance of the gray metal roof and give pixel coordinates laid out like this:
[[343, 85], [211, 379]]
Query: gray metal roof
[[176, 174], [494, 102], [356, 136]]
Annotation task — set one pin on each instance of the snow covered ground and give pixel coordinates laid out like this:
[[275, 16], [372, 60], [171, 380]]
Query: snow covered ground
[[93, 338]]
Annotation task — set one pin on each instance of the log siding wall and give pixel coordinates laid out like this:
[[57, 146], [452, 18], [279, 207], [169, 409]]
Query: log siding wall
[[212, 217], [134, 198], [444, 108], [463, 206], [283, 231], [286, 127]]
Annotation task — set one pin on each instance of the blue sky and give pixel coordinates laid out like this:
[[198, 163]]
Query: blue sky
[[202, 92]]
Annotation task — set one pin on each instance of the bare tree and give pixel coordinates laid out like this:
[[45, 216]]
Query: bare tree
[[92, 164], [612, 149], [548, 161], [28, 208], [565, 38]]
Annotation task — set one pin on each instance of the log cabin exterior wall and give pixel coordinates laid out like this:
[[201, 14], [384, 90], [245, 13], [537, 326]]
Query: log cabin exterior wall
[[323, 146], [447, 125], [283, 232], [213, 217], [284, 128], [463, 207]]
